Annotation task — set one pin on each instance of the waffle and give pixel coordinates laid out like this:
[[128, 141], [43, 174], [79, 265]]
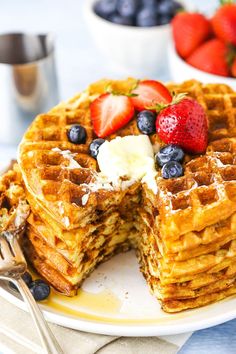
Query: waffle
[[184, 235], [195, 243], [194, 283], [13, 206], [73, 254], [72, 273]]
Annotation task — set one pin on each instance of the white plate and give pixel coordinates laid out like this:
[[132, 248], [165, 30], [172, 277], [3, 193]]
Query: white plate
[[115, 300]]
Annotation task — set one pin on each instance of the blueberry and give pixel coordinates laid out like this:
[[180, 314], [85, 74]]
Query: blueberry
[[166, 8], [105, 8], [77, 134], [152, 5], [40, 290], [94, 147], [172, 169], [27, 279], [146, 122], [128, 8], [146, 17], [169, 153], [121, 20]]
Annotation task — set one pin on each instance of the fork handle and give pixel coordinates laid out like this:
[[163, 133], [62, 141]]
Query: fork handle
[[48, 340]]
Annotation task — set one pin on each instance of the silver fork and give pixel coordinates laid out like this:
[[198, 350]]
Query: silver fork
[[12, 266]]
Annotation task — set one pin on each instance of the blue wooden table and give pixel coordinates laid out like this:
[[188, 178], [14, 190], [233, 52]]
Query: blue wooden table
[[79, 63]]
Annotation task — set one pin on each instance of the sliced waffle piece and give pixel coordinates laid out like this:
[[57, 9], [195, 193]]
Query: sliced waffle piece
[[178, 291], [188, 292], [70, 238], [50, 263], [53, 276], [204, 289], [14, 208], [203, 196], [65, 189], [195, 243], [204, 285], [182, 271], [181, 305], [84, 238]]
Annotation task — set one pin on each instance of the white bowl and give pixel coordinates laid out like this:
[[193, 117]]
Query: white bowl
[[181, 71], [137, 51]]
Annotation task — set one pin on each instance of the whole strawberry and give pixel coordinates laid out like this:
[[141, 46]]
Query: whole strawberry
[[189, 31], [224, 22], [211, 57], [184, 124]]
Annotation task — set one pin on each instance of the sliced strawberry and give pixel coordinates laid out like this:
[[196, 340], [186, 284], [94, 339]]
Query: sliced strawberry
[[110, 112], [150, 93], [189, 31], [184, 124]]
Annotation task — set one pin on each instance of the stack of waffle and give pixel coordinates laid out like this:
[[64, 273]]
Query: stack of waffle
[[188, 248], [184, 234], [77, 218]]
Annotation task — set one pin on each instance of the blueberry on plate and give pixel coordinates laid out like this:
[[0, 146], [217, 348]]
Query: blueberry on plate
[[128, 8], [121, 20], [172, 169], [94, 147], [77, 134], [104, 8], [27, 279], [168, 153], [40, 290], [146, 122], [146, 17]]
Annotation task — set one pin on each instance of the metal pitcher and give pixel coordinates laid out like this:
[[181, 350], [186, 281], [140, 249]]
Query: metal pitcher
[[28, 82]]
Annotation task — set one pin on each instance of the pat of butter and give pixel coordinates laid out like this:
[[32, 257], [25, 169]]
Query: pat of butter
[[131, 157]]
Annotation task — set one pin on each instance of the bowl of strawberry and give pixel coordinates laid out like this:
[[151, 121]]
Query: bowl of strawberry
[[205, 48], [133, 34], [179, 121]]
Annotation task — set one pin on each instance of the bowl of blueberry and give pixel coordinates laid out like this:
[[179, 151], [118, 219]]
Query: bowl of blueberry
[[133, 34]]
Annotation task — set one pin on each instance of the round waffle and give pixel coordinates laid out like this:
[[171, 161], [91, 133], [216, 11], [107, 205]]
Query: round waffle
[[184, 235]]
